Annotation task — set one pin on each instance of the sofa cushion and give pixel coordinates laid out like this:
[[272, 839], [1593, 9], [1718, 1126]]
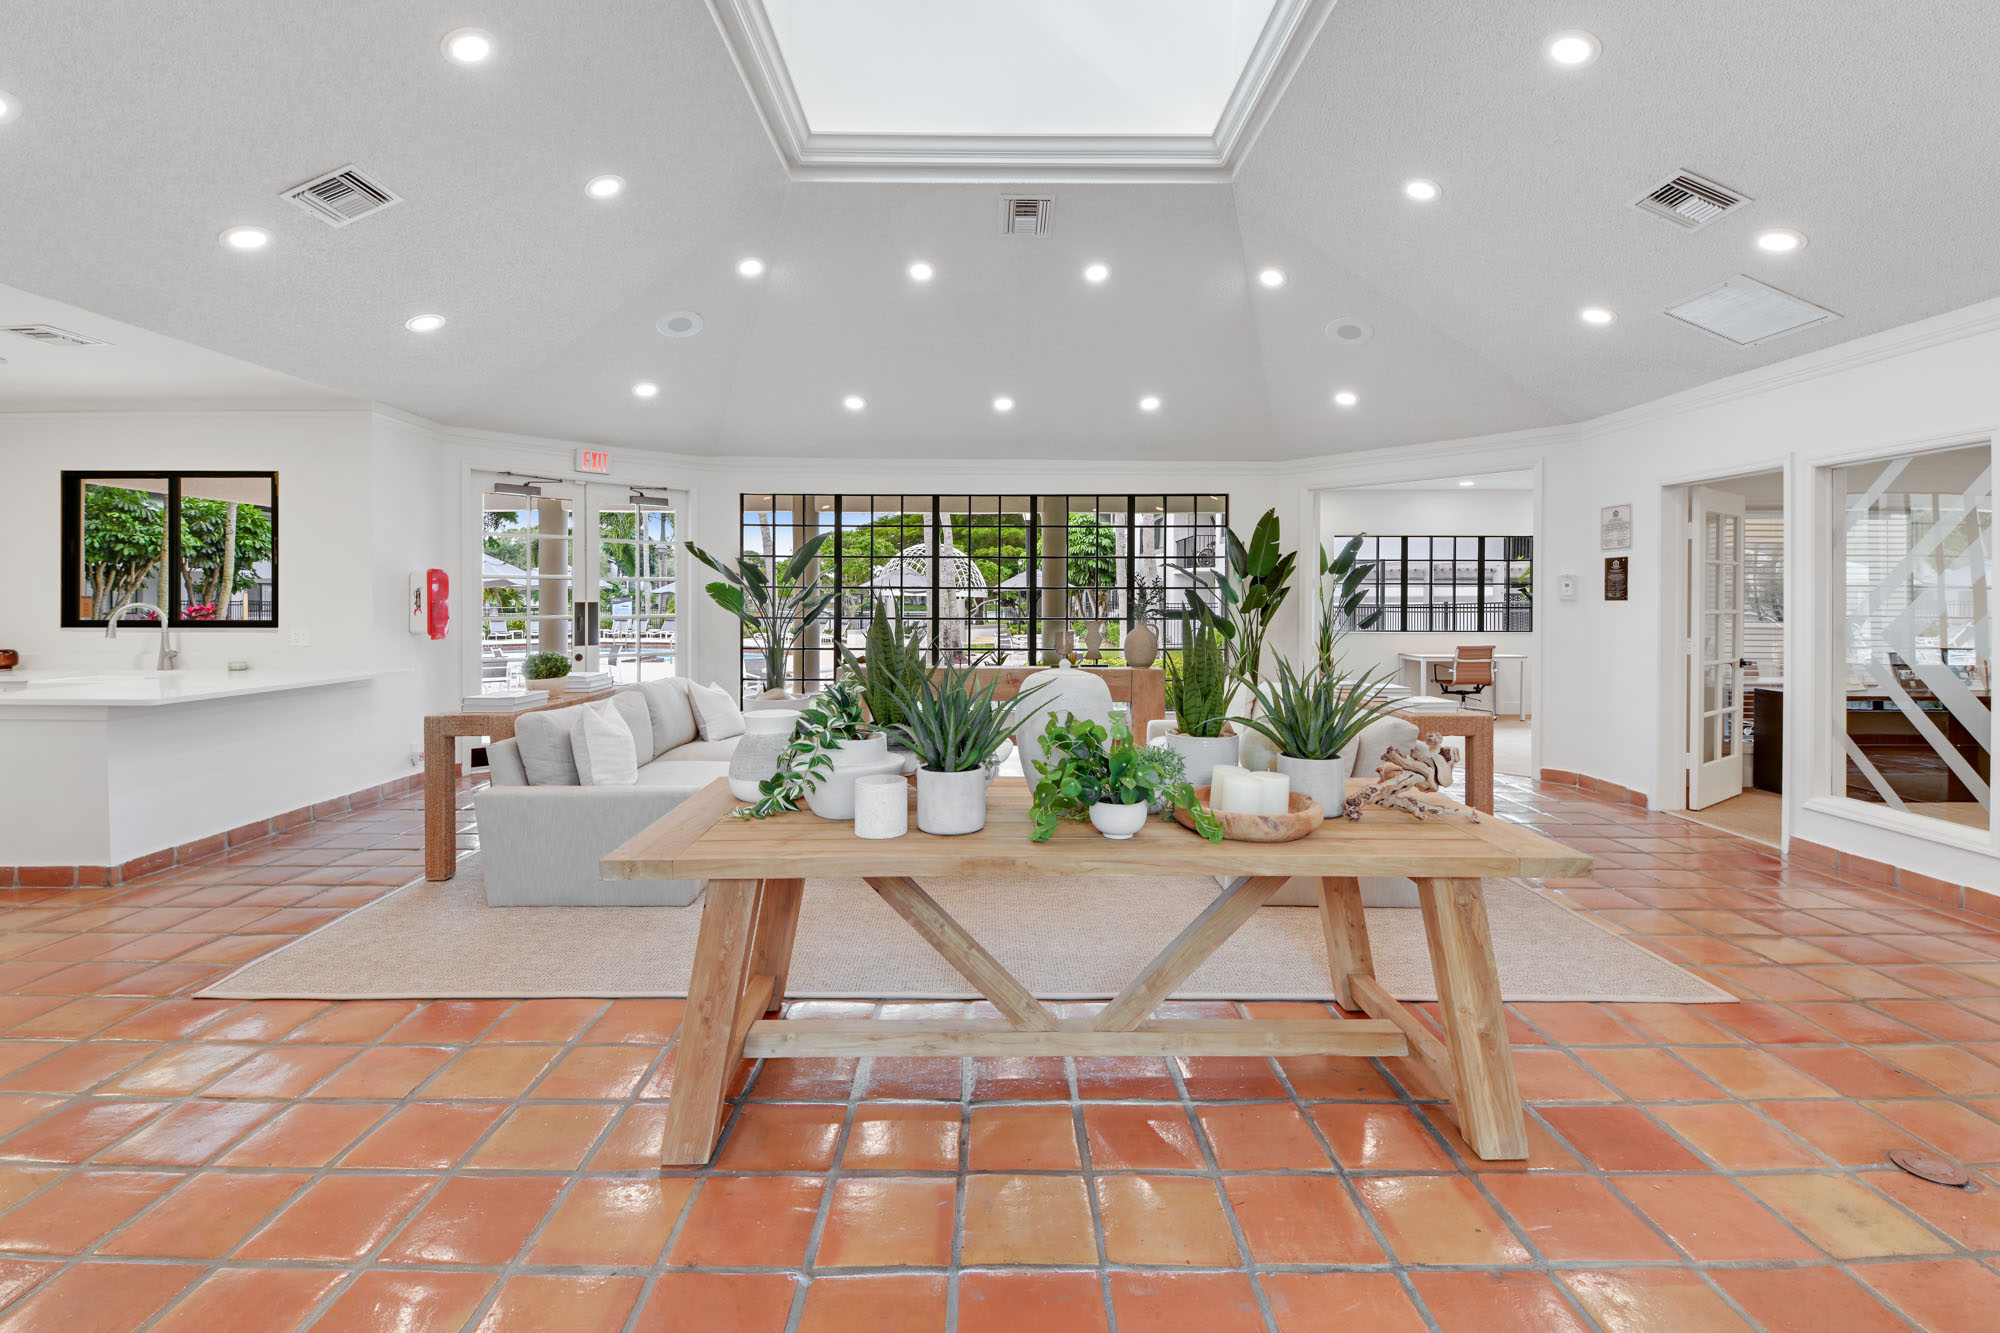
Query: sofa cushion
[[716, 715], [606, 755], [673, 716], [1377, 737], [702, 752], [680, 775], [546, 751], [638, 715], [503, 765]]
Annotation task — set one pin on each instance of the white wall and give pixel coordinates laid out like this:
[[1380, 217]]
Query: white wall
[[1427, 513]]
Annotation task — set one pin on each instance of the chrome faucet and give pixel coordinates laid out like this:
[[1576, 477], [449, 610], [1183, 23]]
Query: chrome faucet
[[169, 655]]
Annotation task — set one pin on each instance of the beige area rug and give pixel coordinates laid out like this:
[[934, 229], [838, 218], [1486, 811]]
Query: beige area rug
[[1065, 939]]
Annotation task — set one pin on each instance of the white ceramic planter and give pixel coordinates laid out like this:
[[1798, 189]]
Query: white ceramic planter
[[881, 806], [833, 796], [1324, 780], [765, 736], [1118, 821], [1201, 754], [952, 803]]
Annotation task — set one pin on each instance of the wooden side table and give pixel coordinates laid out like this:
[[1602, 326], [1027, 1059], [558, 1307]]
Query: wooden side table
[[1477, 730], [441, 730]]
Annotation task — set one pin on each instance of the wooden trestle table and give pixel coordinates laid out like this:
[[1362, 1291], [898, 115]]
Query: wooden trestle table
[[756, 873]]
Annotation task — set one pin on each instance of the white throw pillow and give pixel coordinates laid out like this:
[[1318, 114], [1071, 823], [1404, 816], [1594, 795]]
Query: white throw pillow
[[606, 755], [716, 715]]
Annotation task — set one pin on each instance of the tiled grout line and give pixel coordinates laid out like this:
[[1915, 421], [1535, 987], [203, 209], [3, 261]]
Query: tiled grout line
[[864, 1071]]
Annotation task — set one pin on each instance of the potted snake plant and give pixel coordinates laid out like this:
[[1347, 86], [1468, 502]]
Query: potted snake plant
[[1313, 720], [957, 731], [1199, 679]]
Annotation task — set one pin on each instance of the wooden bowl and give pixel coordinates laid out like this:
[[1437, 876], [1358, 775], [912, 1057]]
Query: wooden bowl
[[1305, 815]]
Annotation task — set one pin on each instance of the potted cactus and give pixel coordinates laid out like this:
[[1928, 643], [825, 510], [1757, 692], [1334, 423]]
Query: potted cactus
[[1200, 680]]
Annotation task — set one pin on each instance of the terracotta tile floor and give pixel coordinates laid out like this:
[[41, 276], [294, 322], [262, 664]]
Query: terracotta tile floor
[[178, 1164]]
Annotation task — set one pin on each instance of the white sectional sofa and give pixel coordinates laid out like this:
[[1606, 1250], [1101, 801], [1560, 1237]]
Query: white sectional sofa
[[542, 833]]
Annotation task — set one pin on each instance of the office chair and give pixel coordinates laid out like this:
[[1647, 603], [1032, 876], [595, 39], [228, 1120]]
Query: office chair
[[1467, 675]]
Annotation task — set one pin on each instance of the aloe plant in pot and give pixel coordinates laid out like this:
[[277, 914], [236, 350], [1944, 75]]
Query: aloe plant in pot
[[1199, 677], [956, 729], [1314, 718]]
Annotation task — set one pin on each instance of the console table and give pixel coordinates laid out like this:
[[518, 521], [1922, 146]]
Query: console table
[[756, 872]]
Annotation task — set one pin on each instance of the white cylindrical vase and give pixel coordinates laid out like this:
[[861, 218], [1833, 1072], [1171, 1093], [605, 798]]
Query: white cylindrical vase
[[881, 806], [1201, 754], [951, 803], [1324, 780], [755, 758]]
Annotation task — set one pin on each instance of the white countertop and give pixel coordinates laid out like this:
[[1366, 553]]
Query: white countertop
[[55, 687]]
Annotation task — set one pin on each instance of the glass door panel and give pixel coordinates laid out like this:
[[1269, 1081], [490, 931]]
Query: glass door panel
[[527, 595]]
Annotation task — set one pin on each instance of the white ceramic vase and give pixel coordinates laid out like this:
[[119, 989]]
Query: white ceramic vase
[[1118, 821], [881, 806], [952, 803], [765, 736], [1324, 780], [1066, 692], [833, 796], [1200, 754], [1142, 646]]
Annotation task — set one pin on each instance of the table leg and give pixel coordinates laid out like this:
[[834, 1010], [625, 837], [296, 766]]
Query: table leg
[[440, 801], [1346, 927], [1479, 770], [709, 1048], [777, 926], [1475, 1023]]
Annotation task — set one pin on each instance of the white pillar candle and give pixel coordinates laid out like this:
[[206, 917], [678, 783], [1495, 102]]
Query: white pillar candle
[[1215, 779], [1233, 790], [881, 806], [1273, 791]]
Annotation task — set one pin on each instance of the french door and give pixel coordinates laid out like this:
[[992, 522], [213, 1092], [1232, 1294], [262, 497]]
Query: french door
[[1715, 647], [584, 570]]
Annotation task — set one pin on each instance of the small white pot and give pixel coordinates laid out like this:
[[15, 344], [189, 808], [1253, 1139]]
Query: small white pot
[[1118, 821], [1324, 780], [833, 796], [881, 806], [1200, 754], [952, 803]]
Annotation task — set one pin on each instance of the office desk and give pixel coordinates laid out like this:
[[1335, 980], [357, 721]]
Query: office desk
[[1423, 661]]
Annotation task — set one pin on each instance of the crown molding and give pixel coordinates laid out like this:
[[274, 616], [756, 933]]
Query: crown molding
[[30, 408]]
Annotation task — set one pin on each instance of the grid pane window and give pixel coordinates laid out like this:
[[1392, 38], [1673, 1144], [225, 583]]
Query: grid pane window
[[985, 579], [1472, 585]]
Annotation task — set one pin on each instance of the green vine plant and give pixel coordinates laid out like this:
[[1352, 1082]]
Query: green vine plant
[[834, 715], [1084, 764]]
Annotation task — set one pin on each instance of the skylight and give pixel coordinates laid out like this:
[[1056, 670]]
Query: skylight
[[1016, 67]]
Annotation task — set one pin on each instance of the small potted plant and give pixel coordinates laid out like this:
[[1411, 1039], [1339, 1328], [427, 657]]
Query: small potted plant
[[1101, 775], [830, 746], [1200, 678], [895, 657], [956, 730], [1313, 719], [545, 671]]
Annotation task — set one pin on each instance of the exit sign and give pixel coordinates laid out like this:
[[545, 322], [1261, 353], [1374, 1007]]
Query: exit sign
[[593, 460]]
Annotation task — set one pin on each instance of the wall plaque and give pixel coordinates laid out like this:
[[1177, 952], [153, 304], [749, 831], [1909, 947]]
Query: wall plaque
[[1616, 577], [1614, 528]]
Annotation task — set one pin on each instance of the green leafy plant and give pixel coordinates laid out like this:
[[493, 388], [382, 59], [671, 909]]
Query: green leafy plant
[[895, 658], [546, 666], [834, 715], [1317, 714], [1143, 607], [775, 599], [124, 537], [1341, 577], [952, 725], [1240, 600], [1084, 765], [1198, 678]]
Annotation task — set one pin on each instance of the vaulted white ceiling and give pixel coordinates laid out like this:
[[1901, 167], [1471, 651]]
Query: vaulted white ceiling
[[145, 130]]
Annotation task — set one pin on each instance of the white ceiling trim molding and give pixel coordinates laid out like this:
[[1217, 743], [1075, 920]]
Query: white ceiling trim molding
[[1512, 451], [753, 46]]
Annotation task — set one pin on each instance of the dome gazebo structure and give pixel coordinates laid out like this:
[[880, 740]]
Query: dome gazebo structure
[[906, 576]]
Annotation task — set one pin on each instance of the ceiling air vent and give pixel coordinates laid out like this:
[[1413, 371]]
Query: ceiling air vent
[[1746, 311], [341, 197], [1024, 217], [52, 336], [1689, 202]]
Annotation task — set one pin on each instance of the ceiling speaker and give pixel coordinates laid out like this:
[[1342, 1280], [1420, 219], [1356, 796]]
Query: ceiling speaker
[[1349, 331], [679, 324]]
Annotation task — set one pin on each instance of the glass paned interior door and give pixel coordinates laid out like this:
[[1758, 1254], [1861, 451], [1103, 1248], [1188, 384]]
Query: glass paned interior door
[[1914, 633], [636, 590], [526, 596], [1715, 711]]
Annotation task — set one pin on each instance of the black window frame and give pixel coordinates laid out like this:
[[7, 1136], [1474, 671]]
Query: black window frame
[[72, 546], [1476, 617]]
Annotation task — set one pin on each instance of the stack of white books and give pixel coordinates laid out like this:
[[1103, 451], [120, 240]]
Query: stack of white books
[[587, 680], [512, 701]]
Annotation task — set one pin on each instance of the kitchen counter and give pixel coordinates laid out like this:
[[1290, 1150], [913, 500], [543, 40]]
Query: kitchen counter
[[48, 687]]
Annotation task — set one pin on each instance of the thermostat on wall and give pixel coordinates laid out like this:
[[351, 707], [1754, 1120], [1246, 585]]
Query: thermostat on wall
[[1566, 587]]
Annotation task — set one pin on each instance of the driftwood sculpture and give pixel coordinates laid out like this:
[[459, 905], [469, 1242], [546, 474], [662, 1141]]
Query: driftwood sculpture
[[1427, 767]]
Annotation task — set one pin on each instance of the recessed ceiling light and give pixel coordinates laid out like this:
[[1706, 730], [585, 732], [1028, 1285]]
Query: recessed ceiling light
[[604, 187], [751, 268], [1466, 482], [1150, 403], [922, 272], [1572, 49], [9, 108], [1096, 273], [246, 238], [1595, 314], [424, 323], [645, 389], [1272, 277], [468, 46], [1780, 241], [854, 402], [1421, 190], [1003, 404], [1346, 398]]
